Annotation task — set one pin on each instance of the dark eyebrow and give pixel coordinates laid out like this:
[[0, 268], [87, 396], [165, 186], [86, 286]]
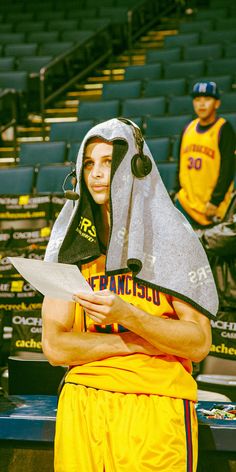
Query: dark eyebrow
[[90, 157]]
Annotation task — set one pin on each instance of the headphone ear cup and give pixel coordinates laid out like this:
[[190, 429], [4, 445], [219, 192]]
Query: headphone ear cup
[[141, 165]]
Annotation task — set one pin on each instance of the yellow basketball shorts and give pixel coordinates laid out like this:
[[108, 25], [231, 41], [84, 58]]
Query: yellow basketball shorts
[[99, 431]]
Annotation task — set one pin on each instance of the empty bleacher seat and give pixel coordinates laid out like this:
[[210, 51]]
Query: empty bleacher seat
[[17, 80], [42, 153], [7, 38], [16, 180], [168, 174], [165, 126], [195, 26], [180, 105], [98, 111], [57, 48], [181, 39], [33, 63], [50, 178], [43, 36], [144, 106], [63, 25], [219, 36], [160, 148], [77, 36], [184, 69], [165, 87], [143, 72], [163, 55], [70, 131], [73, 151], [21, 49], [219, 66], [121, 90], [7, 63], [28, 26], [203, 52]]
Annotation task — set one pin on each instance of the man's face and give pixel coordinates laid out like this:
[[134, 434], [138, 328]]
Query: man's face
[[97, 170], [205, 107]]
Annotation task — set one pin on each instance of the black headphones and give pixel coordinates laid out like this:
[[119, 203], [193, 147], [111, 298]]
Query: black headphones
[[141, 165], [70, 194]]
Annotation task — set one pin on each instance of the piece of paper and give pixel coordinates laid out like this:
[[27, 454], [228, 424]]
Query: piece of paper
[[52, 279]]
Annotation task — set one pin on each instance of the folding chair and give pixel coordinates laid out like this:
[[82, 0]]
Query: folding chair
[[180, 105], [121, 90], [98, 111], [16, 180], [144, 106], [181, 39], [160, 148], [145, 72], [203, 52], [165, 87], [163, 55], [50, 178], [165, 126], [70, 131], [184, 69], [42, 153]]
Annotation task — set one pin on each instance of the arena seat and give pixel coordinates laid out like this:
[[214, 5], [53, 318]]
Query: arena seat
[[43, 36], [6, 27], [100, 110], [180, 105], [80, 13], [181, 39], [63, 25], [7, 64], [231, 117], [163, 55], [8, 38], [42, 153], [55, 49], [225, 23], [210, 13], [29, 26], [203, 52], [186, 69], [230, 50], [73, 151], [168, 174], [228, 66], [166, 87], [16, 180], [160, 148], [33, 63], [165, 126], [195, 26], [17, 80], [219, 36], [121, 90], [70, 131], [143, 72], [145, 106], [77, 36], [50, 178], [228, 102], [21, 49], [49, 15]]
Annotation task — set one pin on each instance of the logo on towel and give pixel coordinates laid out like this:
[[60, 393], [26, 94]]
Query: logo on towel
[[86, 229]]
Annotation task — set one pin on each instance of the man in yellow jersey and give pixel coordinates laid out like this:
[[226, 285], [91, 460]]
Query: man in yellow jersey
[[128, 399], [206, 160]]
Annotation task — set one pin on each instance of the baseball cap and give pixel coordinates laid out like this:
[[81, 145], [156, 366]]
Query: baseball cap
[[207, 89]]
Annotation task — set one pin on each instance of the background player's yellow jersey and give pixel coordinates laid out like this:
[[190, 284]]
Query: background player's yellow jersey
[[136, 373], [199, 170]]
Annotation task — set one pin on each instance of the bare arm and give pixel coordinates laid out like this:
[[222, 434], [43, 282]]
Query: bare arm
[[188, 337], [62, 346]]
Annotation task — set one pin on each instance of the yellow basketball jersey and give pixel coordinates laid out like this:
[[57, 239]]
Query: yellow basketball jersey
[[199, 170], [137, 373]]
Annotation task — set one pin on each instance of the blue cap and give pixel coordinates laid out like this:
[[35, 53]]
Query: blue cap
[[206, 89]]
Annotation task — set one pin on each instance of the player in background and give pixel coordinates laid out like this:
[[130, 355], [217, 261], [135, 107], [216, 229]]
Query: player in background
[[206, 160]]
